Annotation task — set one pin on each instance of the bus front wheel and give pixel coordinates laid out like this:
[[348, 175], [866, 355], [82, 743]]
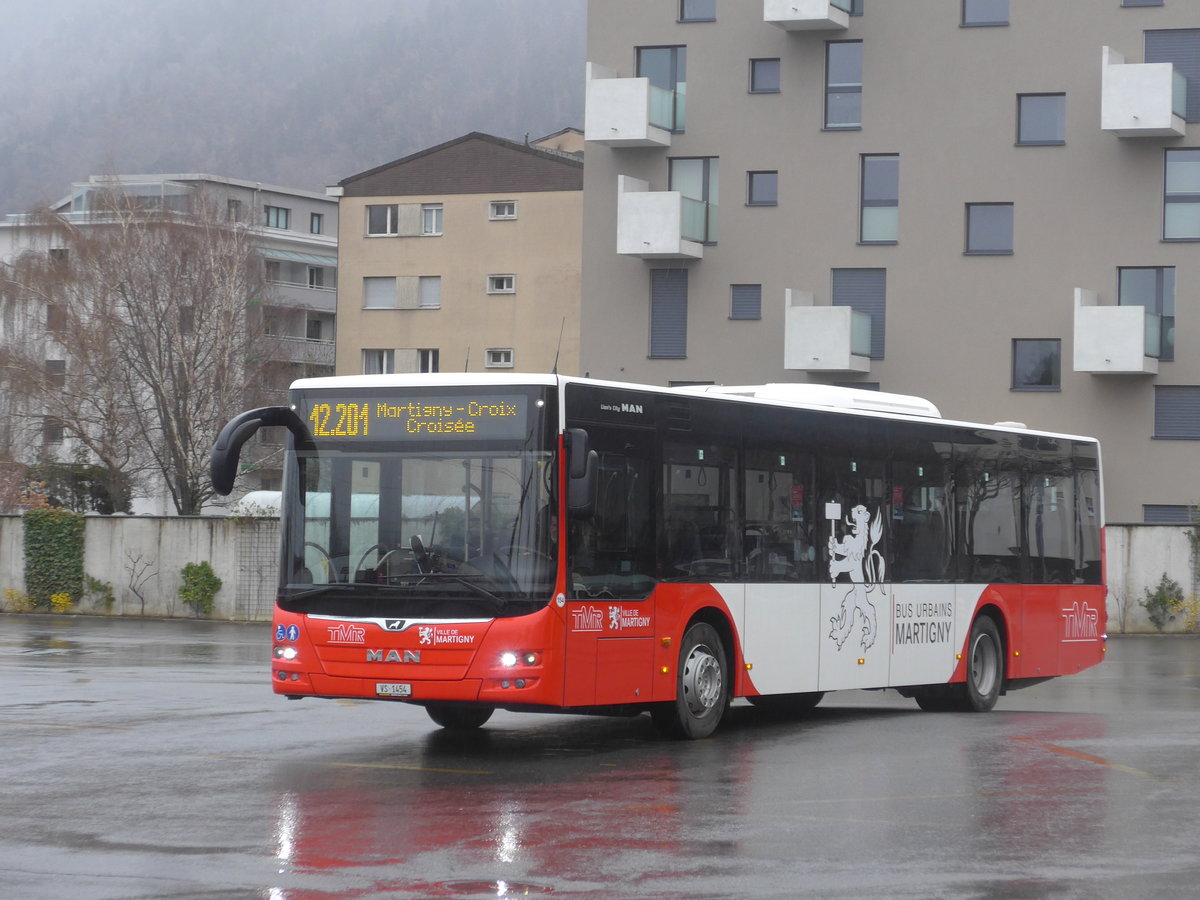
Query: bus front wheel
[[701, 687], [459, 718]]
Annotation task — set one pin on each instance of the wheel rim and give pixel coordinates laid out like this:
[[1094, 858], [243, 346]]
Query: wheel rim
[[702, 682], [984, 667]]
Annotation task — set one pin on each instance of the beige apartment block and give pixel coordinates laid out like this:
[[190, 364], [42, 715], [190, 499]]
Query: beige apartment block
[[993, 204], [462, 258]]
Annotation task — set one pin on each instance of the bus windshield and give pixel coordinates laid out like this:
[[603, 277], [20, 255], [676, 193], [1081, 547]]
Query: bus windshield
[[436, 527]]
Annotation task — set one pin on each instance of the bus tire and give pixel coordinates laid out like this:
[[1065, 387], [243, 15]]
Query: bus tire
[[985, 667], [787, 704], [985, 675], [453, 717], [701, 687]]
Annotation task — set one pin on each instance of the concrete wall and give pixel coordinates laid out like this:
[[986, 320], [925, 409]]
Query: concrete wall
[[149, 553], [146, 555]]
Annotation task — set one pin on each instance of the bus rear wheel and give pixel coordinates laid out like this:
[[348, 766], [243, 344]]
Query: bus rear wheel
[[701, 687], [459, 718], [985, 675]]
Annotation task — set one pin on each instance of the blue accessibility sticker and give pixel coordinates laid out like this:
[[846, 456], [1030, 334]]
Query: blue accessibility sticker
[[280, 633], [293, 633]]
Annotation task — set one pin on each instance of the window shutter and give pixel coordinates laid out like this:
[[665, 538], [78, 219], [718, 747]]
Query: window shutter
[[745, 301], [864, 290], [1177, 412], [379, 293], [1182, 47], [668, 313]]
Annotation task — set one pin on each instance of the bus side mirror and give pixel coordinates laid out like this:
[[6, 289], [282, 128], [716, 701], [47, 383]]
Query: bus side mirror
[[223, 463], [582, 465]]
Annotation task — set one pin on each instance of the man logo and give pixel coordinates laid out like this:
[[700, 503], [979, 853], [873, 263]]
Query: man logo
[[394, 656], [394, 624]]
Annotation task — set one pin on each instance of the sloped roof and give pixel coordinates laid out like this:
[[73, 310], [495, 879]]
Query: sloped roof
[[475, 163]]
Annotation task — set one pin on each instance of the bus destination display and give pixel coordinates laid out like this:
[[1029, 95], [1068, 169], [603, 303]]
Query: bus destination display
[[478, 417]]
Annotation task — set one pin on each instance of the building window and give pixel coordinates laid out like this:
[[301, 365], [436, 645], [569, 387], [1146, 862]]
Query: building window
[[431, 219], [1177, 412], [698, 180], [233, 209], [502, 284], [314, 330], [1180, 46], [1181, 201], [499, 358], [316, 277], [383, 219], [984, 12], [379, 362], [56, 372], [276, 216], [379, 293], [427, 361], [697, 10], [989, 229], [53, 431], [843, 84], [879, 215], [1041, 120], [316, 223], [429, 291], [745, 301], [1169, 514], [762, 188], [668, 313], [764, 76], [666, 68], [1036, 364], [864, 291], [502, 209], [1141, 2], [56, 318], [1152, 287]]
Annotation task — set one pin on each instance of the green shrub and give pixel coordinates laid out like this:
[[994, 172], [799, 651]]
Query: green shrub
[[200, 586], [1164, 602], [53, 554]]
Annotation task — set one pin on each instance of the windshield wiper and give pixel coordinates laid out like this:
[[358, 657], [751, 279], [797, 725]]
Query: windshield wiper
[[496, 600], [325, 589]]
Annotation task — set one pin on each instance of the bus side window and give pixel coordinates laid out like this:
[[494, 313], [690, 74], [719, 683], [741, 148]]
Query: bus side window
[[853, 510], [700, 513], [778, 538], [988, 485], [922, 536]]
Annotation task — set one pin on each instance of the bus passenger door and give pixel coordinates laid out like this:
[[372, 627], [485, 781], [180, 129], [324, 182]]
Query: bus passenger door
[[610, 607]]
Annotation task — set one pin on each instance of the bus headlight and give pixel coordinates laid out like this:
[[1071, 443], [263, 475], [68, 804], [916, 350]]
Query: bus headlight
[[511, 658], [288, 653]]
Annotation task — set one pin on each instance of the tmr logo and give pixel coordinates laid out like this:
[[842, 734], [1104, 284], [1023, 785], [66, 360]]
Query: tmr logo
[[347, 634], [1081, 623], [394, 656]]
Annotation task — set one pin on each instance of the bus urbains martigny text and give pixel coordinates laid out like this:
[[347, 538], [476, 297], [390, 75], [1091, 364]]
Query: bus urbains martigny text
[[543, 543]]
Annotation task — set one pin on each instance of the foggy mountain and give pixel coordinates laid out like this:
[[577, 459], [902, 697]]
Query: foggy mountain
[[298, 93]]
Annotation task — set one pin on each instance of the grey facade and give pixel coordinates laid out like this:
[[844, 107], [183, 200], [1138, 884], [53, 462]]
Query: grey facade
[[997, 217]]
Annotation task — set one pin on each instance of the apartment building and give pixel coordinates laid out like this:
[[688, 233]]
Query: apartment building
[[994, 204], [463, 257], [295, 232]]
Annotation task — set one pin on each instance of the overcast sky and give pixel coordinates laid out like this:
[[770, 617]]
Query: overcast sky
[[301, 93]]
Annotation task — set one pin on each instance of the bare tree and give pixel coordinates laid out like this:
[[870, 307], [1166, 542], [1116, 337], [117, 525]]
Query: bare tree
[[155, 310]]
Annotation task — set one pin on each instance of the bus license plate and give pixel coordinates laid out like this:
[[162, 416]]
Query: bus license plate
[[393, 690]]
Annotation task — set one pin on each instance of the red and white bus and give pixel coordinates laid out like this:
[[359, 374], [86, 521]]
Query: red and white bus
[[538, 542]]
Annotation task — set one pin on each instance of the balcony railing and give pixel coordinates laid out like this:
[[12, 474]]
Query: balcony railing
[[1141, 99], [660, 224], [628, 112], [1115, 340], [285, 348], [825, 338], [808, 15]]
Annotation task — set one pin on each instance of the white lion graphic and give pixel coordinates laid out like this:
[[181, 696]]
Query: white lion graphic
[[856, 557]]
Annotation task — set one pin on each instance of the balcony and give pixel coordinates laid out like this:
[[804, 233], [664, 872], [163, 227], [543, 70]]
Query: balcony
[[824, 338], [807, 15], [1141, 99], [1115, 340], [626, 112], [659, 224], [299, 350], [302, 296]]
